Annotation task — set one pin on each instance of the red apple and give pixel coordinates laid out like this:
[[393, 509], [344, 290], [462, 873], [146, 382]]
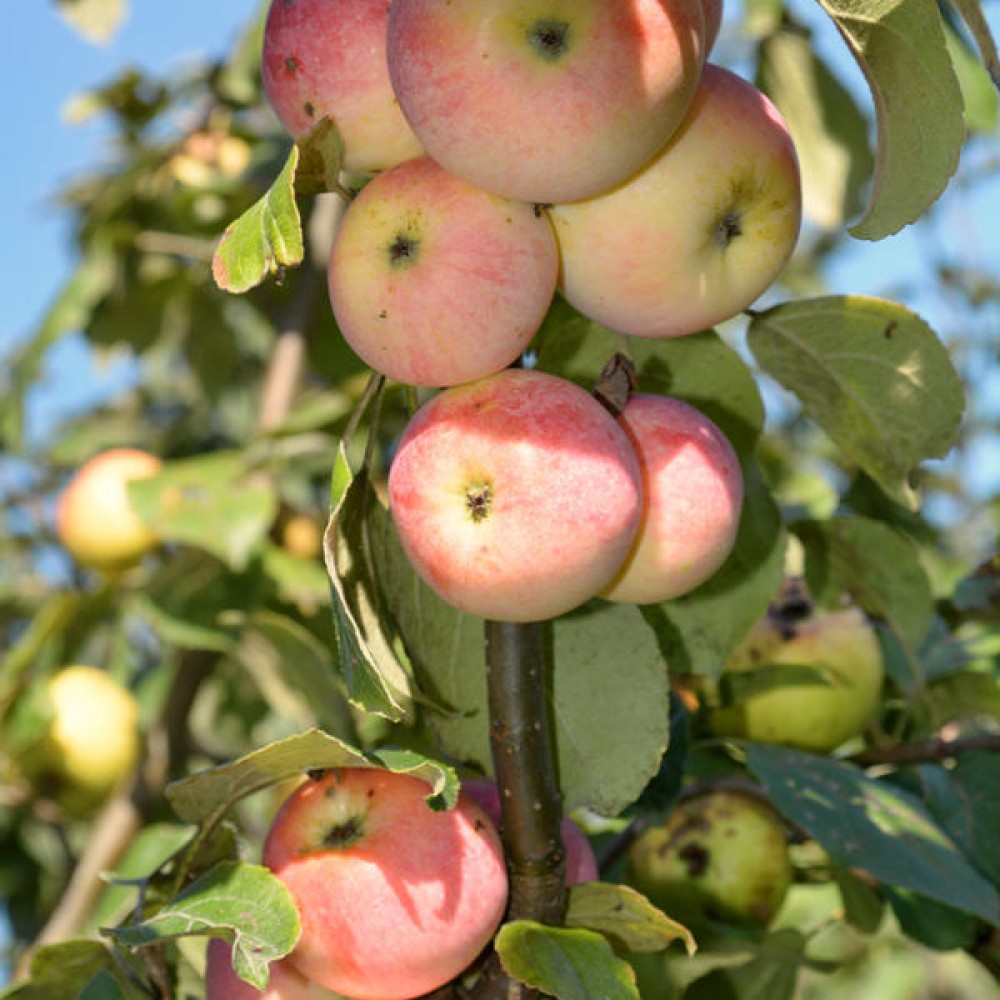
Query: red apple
[[435, 282], [94, 518], [285, 982], [545, 100], [693, 491], [516, 497], [327, 58], [395, 899], [581, 864]]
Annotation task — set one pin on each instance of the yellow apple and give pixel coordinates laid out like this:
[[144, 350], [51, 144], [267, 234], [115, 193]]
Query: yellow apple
[[842, 646]]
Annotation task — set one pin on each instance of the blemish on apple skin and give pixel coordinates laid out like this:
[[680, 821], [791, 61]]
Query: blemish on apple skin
[[291, 64], [309, 109], [696, 858]]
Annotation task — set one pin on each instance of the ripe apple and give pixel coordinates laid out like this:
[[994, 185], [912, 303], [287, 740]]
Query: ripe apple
[[435, 282], [285, 982], [545, 101], [581, 864], [95, 521], [700, 232], [395, 899], [516, 497], [92, 742], [327, 58], [693, 491], [721, 855], [842, 646], [301, 536]]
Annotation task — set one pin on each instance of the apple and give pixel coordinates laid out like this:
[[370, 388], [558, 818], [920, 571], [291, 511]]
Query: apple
[[700, 232], [326, 58], [92, 741], [581, 864], [545, 100], [301, 536], [95, 521], [435, 282], [842, 646], [516, 497], [693, 491], [720, 856], [285, 982], [395, 899]]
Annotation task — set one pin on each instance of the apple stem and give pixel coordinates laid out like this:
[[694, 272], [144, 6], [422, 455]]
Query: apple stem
[[524, 762]]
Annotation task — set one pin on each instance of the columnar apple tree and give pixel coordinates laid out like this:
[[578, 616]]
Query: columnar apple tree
[[516, 560]]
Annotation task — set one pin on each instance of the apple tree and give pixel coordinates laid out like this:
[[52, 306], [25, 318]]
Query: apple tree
[[525, 454]]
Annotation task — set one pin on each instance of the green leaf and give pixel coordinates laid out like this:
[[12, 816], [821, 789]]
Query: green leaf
[[829, 132], [102, 987], [265, 239], [698, 631], [736, 686], [963, 695], [564, 963], [208, 795], [246, 904], [975, 20], [872, 826], [625, 916], [321, 156], [863, 905], [63, 970], [979, 94], [771, 975], [900, 47], [931, 923], [96, 20], [872, 374], [210, 501]]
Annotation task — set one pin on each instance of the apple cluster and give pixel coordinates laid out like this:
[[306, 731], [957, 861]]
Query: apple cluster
[[521, 150]]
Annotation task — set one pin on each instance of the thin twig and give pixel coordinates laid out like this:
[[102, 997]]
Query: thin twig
[[927, 751]]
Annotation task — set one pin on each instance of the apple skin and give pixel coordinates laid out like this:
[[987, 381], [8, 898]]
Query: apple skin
[[395, 899], [581, 863], [434, 282], [516, 497], [721, 855], [693, 490], [327, 58], [700, 232], [92, 742], [95, 521], [815, 717], [545, 102], [285, 981], [302, 536]]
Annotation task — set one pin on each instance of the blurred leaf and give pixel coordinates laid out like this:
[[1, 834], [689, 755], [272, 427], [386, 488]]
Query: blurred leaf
[[872, 826], [302, 582], [828, 129], [965, 695], [979, 94], [245, 904], [265, 239], [564, 963], [625, 916], [63, 970], [931, 923], [102, 987], [698, 631], [208, 795], [735, 686], [96, 20], [771, 975], [872, 374], [975, 19], [900, 47], [321, 155], [863, 905], [239, 76]]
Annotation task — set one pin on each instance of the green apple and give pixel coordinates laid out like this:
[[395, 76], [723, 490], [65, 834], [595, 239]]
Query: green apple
[[841, 646], [720, 856]]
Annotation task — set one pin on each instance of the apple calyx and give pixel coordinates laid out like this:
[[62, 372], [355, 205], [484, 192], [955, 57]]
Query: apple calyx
[[479, 500], [549, 38], [403, 251]]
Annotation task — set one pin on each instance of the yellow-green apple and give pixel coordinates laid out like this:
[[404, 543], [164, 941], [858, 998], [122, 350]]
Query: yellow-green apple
[[545, 101], [395, 899], [95, 520], [326, 58], [720, 856], [693, 492], [285, 982], [92, 742], [841, 646], [435, 282], [700, 232], [301, 536], [581, 863], [516, 497]]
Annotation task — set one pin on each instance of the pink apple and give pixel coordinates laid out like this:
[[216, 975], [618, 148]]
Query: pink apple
[[693, 494], [395, 899], [95, 520], [699, 233], [516, 497], [285, 982], [327, 58], [545, 100], [581, 864], [435, 282]]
